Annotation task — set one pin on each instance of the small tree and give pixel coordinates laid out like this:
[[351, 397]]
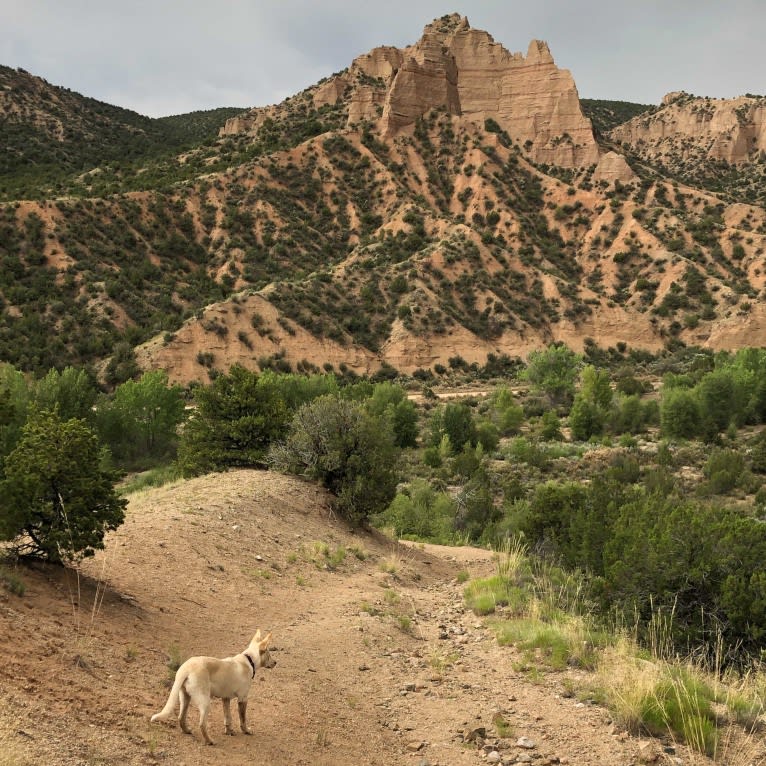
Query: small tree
[[550, 426], [594, 386], [14, 403], [553, 371], [457, 422], [350, 451], [140, 423], [720, 402], [586, 418], [71, 392], [56, 500], [591, 404], [236, 420], [679, 413], [390, 401], [505, 412]]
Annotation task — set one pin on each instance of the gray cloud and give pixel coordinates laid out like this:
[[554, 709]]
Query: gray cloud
[[166, 57]]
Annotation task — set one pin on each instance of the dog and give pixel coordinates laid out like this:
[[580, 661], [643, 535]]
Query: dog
[[200, 679]]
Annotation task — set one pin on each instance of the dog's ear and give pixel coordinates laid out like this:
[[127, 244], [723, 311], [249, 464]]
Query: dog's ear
[[256, 637], [265, 641]]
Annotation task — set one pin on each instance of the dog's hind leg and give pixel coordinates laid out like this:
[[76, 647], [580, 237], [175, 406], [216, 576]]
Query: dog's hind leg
[[242, 706], [203, 703], [227, 716], [183, 697]]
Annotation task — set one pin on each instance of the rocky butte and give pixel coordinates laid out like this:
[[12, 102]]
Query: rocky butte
[[466, 73]]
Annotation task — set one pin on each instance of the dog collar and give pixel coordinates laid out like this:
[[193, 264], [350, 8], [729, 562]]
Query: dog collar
[[252, 664]]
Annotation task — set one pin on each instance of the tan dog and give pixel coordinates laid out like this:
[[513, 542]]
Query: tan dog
[[200, 679]]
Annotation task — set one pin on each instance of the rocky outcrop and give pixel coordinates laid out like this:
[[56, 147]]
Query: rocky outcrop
[[529, 97], [248, 122], [427, 79], [614, 167], [464, 72], [733, 130]]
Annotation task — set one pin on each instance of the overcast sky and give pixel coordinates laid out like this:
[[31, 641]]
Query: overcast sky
[[162, 57]]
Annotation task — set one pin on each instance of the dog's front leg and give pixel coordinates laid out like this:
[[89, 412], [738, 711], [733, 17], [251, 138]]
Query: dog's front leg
[[227, 716], [242, 706]]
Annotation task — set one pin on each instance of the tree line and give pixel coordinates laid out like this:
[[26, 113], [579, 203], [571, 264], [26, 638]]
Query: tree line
[[512, 464]]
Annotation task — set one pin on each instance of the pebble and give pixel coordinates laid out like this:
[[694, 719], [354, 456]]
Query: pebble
[[526, 743]]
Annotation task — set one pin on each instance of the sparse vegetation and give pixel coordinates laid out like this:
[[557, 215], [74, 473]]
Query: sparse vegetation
[[580, 468]]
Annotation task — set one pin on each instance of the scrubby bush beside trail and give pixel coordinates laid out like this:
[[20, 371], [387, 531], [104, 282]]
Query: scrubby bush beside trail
[[420, 512], [350, 451], [544, 612]]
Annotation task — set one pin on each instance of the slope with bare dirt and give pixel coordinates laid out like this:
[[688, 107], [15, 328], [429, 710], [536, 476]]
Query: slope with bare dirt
[[377, 660]]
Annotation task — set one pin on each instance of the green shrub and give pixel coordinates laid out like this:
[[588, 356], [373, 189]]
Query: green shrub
[[553, 371], [550, 426], [12, 582], [390, 401], [528, 451], [420, 512], [234, 422], [586, 418], [350, 451], [432, 457], [154, 477], [487, 435], [682, 704], [723, 470], [57, 500], [140, 422], [467, 462], [505, 413], [680, 415], [484, 595]]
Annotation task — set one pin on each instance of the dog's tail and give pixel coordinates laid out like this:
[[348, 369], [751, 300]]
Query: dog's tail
[[167, 711]]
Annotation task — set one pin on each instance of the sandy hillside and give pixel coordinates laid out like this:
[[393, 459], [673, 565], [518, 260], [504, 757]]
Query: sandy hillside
[[377, 662]]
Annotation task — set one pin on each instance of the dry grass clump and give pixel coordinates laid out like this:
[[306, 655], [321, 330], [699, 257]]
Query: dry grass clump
[[717, 714], [544, 614]]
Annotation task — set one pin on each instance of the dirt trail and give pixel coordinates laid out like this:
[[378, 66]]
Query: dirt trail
[[377, 661]]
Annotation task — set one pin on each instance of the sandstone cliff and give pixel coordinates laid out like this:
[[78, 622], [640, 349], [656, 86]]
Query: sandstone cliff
[[465, 73], [733, 130], [613, 167]]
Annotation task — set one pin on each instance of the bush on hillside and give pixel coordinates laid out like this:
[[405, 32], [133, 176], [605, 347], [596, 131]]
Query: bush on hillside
[[350, 451], [56, 500], [234, 422]]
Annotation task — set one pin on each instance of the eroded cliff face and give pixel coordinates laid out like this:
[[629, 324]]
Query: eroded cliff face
[[464, 72], [528, 96], [733, 130], [613, 167], [427, 79]]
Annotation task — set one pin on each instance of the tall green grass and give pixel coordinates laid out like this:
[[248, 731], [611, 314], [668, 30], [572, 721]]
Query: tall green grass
[[155, 477], [544, 613]]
